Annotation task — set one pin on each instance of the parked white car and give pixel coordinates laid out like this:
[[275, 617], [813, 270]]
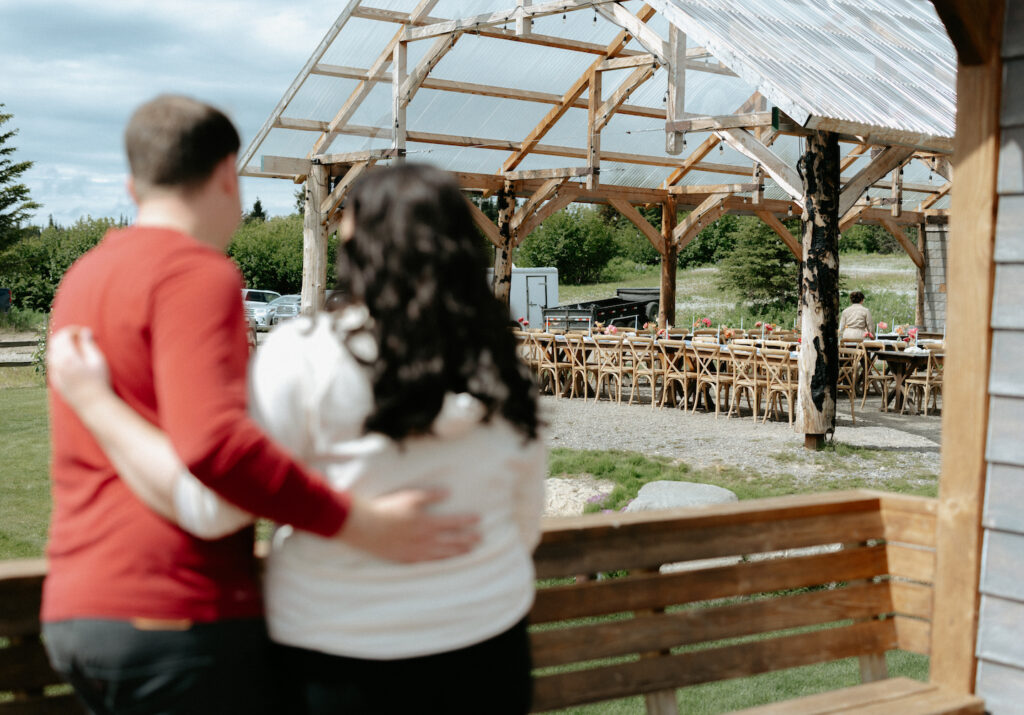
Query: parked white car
[[258, 306], [287, 306]]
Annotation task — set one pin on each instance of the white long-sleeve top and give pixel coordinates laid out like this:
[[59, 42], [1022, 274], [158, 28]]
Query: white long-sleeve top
[[313, 397]]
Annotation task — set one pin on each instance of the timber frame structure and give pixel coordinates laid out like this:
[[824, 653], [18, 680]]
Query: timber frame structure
[[770, 140]]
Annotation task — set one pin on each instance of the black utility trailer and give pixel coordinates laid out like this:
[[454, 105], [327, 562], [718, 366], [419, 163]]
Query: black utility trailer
[[630, 308]]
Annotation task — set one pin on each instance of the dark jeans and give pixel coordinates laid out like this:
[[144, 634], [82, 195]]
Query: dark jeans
[[209, 668], [490, 677]]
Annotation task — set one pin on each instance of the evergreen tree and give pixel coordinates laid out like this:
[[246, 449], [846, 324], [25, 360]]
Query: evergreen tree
[[15, 204], [760, 267], [257, 213]]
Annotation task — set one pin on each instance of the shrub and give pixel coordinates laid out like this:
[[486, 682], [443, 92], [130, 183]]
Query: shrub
[[869, 239], [577, 242], [712, 244], [269, 254]]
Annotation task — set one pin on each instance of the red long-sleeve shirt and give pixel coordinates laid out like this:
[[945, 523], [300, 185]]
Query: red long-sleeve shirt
[[167, 312]]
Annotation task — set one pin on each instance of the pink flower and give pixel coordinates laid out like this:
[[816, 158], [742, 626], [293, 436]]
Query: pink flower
[[662, 333], [707, 322], [757, 324], [883, 326], [912, 332], [647, 326], [612, 330]]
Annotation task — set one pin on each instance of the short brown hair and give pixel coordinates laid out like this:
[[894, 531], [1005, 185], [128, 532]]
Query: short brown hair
[[175, 141], [856, 297]]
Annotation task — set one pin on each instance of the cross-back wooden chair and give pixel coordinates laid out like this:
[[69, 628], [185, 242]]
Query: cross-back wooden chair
[[644, 365], [549, 370], [781, 376], [747, 378], [581, 365], [678, 370], [610, 366], [927, 386], [851, 359], [713, 373]]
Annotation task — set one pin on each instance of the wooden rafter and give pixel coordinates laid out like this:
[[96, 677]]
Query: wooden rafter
[[593, 129], [931, 200], [363, 88], [570, 97], [624, 63], [676, 99], [710, 209], [941, 165], [636, 78], [398, 105], [485, 90], [337, 195], [567, 173], [548, 189], [913, 251], [427, 63], [636, 218], [727, 121], [747, 144], [711, 189], [500, 17], [780, 228], [648, 38], [889, 159], [852, 216]]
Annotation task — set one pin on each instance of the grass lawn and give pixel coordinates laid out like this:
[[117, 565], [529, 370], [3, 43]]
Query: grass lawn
[[24, 454]]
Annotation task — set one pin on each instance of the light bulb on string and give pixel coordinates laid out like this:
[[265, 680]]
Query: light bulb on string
[[563, 17], [789, 210]]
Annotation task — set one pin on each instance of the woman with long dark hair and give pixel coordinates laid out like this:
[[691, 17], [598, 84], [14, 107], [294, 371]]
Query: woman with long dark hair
[[409, 379]]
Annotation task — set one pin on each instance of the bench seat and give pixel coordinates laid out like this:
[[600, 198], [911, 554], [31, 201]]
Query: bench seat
[[896, 695]]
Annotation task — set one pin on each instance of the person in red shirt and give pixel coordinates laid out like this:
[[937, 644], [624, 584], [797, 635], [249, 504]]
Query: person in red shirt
[[137, 614]]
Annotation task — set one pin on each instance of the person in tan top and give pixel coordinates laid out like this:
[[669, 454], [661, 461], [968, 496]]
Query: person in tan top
[[856, 320]]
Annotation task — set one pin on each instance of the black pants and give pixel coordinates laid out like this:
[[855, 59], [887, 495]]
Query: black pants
[[210, 668], [490, 677]]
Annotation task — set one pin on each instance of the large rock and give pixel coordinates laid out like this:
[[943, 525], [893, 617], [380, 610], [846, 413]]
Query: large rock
[[672, 495]]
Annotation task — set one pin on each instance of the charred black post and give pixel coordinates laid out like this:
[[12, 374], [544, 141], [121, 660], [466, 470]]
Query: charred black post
[[502, 285], [669, 264], [819, 300]]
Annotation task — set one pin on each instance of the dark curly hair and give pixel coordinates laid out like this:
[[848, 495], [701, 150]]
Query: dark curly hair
[[415, 261]]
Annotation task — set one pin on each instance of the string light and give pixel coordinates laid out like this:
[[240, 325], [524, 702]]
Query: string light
[[684, 141], [721, 149], [789, 210], [563, 17]]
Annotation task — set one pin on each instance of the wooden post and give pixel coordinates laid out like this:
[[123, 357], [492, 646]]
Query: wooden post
[[502, 285], [819, 351], [669, 264], [314, 241], [399, 71], [919, 306], [593, 130], [897, 192], [676, 87]]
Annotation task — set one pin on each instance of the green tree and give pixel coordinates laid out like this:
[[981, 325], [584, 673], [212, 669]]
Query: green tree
[[760, 267], [257, 214], [867, 239], [578, 242], [269, 254], [34, 266], [15, 204]]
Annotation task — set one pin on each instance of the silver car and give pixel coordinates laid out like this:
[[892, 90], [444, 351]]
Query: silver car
[[287, 306], [258, 306]]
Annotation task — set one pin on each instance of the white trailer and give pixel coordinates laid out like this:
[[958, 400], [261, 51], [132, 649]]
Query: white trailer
[[533, 290]]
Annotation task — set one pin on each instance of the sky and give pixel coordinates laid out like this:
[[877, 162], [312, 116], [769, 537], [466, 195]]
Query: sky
[[72, 72]]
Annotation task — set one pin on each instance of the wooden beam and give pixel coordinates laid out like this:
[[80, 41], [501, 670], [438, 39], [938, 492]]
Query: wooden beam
[[351, 157], [636, 218], [906, 243], [711, 189], [334, 199], [427, 63], [300, 78], [969, 26], [933, 199], [502, 285], [726, 121], [669, 266], [890, 158], [871, 134], [363, 88], [780, 228], [485, 224], [636, 78], [897, 192], [691, 162], [556, 204], [399, 102], [547, 173], [622, 63], [676, 105], [593, 129], [637, 28], [938, 164], [500, 17], [284, 165], [747, 144], [708, 211], [548, 189], [852, 216], [524, 23], [569, 98], [965, 405], [485, 90]]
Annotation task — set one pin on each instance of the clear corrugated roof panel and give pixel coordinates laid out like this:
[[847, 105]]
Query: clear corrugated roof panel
[[880, 63], [887, 64]]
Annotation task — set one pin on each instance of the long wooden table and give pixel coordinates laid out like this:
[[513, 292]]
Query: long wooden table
[[899, 364]]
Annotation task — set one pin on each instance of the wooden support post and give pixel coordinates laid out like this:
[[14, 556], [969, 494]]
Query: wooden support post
[[897, 192], [398, 75], [502, 285], [819, 303], [314, 242], [919, 304], [593, 130], [524, 24], [676, 87], [669, 265]]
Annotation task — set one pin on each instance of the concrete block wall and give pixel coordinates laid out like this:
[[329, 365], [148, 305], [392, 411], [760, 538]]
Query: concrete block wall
[[935, 244]]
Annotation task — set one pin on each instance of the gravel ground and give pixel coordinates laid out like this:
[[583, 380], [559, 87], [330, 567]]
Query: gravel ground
[[889, 445]]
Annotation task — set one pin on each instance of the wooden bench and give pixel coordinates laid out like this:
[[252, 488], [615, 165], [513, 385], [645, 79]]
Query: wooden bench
[[770, 584]]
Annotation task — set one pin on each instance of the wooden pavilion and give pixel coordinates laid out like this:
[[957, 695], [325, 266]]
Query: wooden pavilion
[[804, 125]]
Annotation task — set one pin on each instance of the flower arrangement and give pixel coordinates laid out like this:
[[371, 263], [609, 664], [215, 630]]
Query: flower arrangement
[[883, 326], [702, 323], [611, 330], [523, 322], [912, 333]]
